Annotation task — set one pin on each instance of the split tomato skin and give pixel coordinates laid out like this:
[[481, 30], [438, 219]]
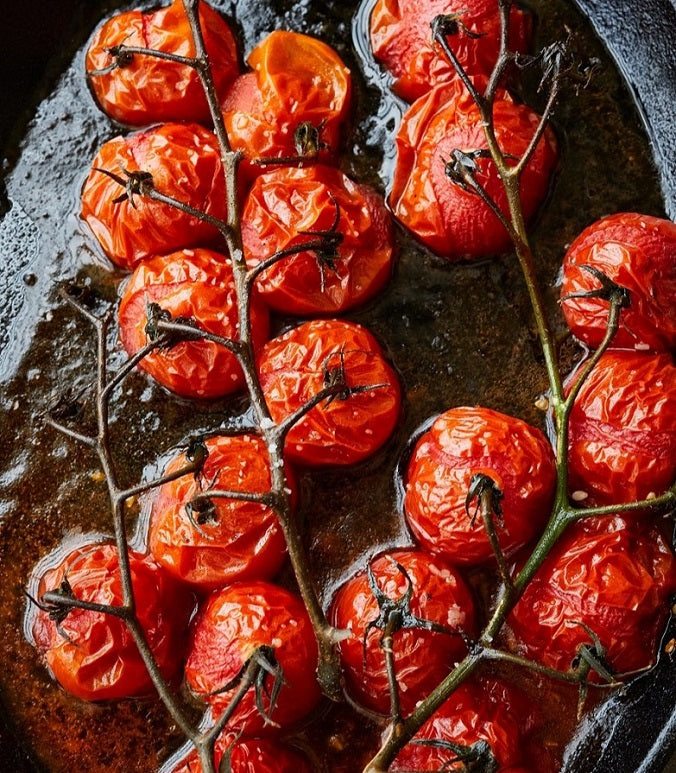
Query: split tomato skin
[[147, 89]]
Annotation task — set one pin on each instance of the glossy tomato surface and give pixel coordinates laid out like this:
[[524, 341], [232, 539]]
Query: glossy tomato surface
[[296, 366], [451, 221], [198, 285], [184, 162], [93, 655], [637, 252], [285, 204], [422, 658], [147, 89]]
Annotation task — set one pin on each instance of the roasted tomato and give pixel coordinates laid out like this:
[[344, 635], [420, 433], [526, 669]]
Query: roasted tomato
[[422, 657], [611, 575], [194, 284], [453, 222], [137, 89], [402, 40], [92, 655], [287, 207], [292, 104], [622, 430], [184, 162], [344, 429], [235, 621], [460, 444], [637, 252]]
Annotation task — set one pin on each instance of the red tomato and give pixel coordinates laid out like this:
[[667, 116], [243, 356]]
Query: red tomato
[[196, 284], [622, 443], [639, 253], [422, 658], [93, 655], [609, 575], [185, 163], [229, 626], [464, 442], [402, 40], [284, 204], [295, 366], [453, 222], [150, 90]]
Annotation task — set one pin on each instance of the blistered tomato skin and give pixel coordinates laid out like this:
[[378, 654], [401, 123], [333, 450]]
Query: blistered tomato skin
[[199, 285], [147, 89], [296, 366], [637, 252], [452, 222], [93, 655], [185, 164], [464, 442], [287, 202], [622, 429], [422, 658]]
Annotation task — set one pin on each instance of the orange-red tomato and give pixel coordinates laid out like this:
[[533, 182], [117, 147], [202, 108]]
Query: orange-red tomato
[[92, 655], [284, 204], [147, 89], [464, 442], [401, 38], [185, 163], [449, 220], [294, 367], [196, 284], [422, 657], [637, 252]]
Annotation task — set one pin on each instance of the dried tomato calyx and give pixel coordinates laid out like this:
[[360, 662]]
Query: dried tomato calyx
[[609, 290], [479, 486], [477, 757], [451, 24]]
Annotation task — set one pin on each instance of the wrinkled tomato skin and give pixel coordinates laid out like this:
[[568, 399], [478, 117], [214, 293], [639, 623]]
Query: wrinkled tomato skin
[[286, 202], [637, 252], [185, 163], [614, 576], [622, 429], [452, 222], [401, 39], [229, 626], [151, 90], [196, 284], [422, 658], [292, 370], [95, 658], [461, 443]]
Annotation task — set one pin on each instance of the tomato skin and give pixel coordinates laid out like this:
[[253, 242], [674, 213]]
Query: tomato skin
[[99, 660], [422, 658], [639, 253], [185, 164], [198, 284], [452, 222], [463, 442], [151, 90], [401, 39], [291, 371], [622, 429], [284, 203]]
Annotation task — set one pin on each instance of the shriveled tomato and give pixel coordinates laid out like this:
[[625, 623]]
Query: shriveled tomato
[[199, 285], [402, 40], [637, 252], [231, 624], [453, 222], [422, 657], [92, 655], [137, 89], [280, 210], [184, 162], [462, 443], [296, 366], [622, 430]]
